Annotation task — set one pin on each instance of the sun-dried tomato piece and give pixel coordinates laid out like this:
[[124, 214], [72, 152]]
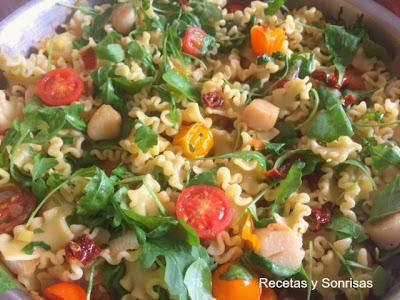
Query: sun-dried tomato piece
[[89, 58], [349, 100], [313, 179], [213, 99], [82, 249], [322, 216]]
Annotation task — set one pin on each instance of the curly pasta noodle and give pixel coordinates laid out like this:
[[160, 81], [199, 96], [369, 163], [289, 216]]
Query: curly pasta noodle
[[225, 247]]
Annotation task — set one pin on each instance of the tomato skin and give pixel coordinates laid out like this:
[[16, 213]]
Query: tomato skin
[[265, 40], [234, 289], [192, 42], [60, 87], [64, 291], [195, 140], [206, 209], [16, 205]]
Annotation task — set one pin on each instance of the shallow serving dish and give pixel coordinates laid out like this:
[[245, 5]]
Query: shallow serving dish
[[23, 29]]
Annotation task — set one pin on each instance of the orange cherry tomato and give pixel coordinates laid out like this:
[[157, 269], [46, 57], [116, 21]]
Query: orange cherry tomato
[[265, 40], [205, 208], [64, 291], [238, 289], [248, 235], [195, 140], [60, 87]]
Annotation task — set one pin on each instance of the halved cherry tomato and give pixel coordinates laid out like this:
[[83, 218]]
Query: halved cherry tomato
[[234, 7], [195, 140], [238, 289], [353, 79], [60, 87], [268, 294], [89, 58], [64, 291], [265, 40], [192, 42], [249, 236], [206, 209]]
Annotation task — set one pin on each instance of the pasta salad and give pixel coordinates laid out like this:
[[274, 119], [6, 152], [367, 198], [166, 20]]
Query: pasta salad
[[199, 149]]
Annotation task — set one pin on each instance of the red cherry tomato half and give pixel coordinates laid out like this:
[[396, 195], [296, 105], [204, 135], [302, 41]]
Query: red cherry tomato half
[[192, 42], [206, 209], [60, 87], [353, 79]]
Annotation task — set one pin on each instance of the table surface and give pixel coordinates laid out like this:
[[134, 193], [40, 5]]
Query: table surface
[[8, 6]]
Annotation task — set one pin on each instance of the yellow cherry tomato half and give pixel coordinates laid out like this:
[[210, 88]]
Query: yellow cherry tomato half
[[196, 140], [248, 235], [268, 294], [238, 289], [265, 40]]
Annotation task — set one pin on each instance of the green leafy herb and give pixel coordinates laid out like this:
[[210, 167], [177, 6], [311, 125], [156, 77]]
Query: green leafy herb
[[383, 156], [382, 281], [205, 178], [263, 59], [287, 134], [140, 55], [198, 280], [97, 194], [112, 277], [245, 155], [342, 45], [289, 185], [315, 102], [235, 272], [42, 165], [145, 137], [266, 267], [306, 63], [84, 9], [345, 227], [29, 248], [238, 40], [125, 85], [96, 30], [332, 122], [170, 97], [274, 6], [111, 52], [387, 201], [373, 49], [160, 177], [360, 165], [275, 149], [90, 283], [181, 85]]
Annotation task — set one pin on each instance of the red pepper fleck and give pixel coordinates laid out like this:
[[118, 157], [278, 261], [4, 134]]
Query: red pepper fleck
[[280, 84], [330, 79], [349, 100], [82, 249], [322, 216], [282, 171], [234, 7], [273, 173], [213, 99], [89, 58]]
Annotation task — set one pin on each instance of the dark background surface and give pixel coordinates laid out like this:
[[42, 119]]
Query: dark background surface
[[8, 6]]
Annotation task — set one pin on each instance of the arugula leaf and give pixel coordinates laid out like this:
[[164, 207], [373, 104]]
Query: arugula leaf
[[387, 201], [382, 280], [236, 271], [332, 122], [373, 49], [42, 165], [198, 280], [383, 156], [112, 277], [111, 52], [96, 30], [160, 177], [205, 178], [360, 165], [97, 194], [289, 185], [287, 134], [29, 248], [123, 84], [108, 96], [208, 13], [265, 267], [307, 63], [275, 149], [181, 85], [140, 55], [342, 45], [274, 6], [84, 9], [170, 97], [345, 227], [245, 155], [145, 137]]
